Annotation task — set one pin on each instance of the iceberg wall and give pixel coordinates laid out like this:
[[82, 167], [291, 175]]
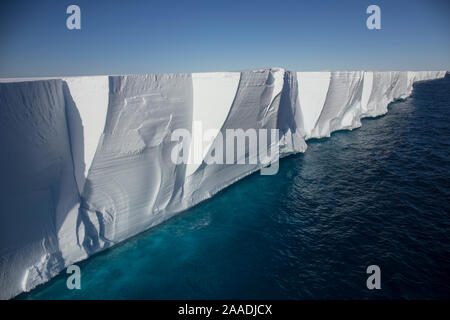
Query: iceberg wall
[[86, 161], [39, 194]]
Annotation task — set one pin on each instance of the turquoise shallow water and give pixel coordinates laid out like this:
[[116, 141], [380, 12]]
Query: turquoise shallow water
[[377, 195]]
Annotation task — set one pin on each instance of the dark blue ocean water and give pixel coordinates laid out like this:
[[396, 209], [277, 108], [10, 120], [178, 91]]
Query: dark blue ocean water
[[377, 195]]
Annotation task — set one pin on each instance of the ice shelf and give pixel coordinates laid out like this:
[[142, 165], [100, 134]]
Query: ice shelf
[[86, 160]]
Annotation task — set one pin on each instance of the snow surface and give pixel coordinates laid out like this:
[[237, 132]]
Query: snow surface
[[313, 89], [212, 98], [86, 160], [90, 104]]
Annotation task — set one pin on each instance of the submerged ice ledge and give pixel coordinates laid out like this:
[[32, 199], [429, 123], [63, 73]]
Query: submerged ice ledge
[[86, 160]]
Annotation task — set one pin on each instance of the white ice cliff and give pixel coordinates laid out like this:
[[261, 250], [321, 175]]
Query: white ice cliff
[[86, 161]]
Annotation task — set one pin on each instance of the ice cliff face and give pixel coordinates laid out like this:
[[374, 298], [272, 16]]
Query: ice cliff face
[[86, 161]]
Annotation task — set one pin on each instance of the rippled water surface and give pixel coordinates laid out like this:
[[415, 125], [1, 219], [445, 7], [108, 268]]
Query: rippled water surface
[[377, 195]]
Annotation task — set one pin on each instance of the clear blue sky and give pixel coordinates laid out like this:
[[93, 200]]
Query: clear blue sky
[[153, 36]]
